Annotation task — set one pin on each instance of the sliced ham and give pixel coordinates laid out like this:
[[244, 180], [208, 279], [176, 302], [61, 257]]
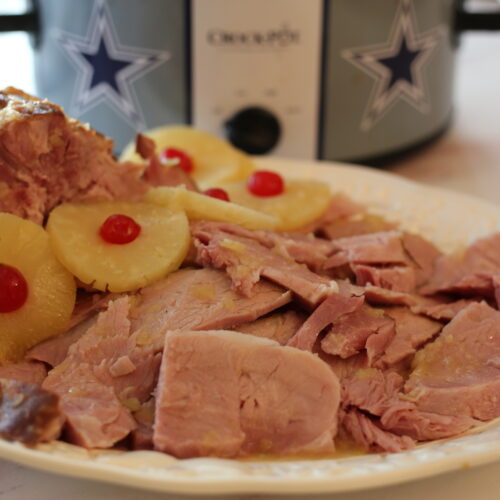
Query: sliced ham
[[454, 374], [280, 326], [246, 261], [412, 331], [404, 419], [423, 254], [396, 278], [376, 248], [302, 248], [28, 413], [368, 434], [334, 307], [474, 272], [445, 311], [378, 393], [47, 159], [53, 351], [349, 333], [225, 394], [371, 390], [95, 395], [199, 299], [29, 372]]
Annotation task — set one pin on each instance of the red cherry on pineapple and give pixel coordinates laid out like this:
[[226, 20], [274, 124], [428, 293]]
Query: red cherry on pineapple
[[119, 229], [265, 183], [13, 289], [218, 193], [185, 161]]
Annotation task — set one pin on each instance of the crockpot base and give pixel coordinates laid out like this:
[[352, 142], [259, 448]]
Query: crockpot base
[[389, 159]]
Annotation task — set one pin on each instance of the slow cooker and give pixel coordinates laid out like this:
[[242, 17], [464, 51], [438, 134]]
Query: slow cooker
[[349, 80]]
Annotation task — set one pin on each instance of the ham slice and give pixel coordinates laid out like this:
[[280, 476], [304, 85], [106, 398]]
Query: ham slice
[[199, 299], [280, 326], [333, 308], [226, 394], [30, 372], [474, 272], [246, 261], [412, 331], [368, 433], [96, 394], [348, 334], [47, 158], [456, 374]]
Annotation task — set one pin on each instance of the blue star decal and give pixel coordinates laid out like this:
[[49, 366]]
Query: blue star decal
[[400, 64], [396, 65], [106, 69]]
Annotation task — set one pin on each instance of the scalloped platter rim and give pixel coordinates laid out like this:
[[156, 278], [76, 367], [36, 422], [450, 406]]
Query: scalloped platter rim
[[449, 219]]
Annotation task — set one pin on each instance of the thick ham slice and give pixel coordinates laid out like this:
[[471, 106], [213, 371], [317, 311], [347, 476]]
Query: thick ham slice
[[226, 394], [107, 373], [246, 261], [457, 373], [199, 299], [47, 159]]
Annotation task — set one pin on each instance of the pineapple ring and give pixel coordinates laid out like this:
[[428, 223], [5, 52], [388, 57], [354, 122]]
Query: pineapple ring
[[51, 289], [302, 201], [159, 249], [214, 160], [202, 207]]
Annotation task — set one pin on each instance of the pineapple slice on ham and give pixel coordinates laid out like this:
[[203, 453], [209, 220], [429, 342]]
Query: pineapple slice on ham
[[45, 308], [301, 202], [157, 248], [201, 207]]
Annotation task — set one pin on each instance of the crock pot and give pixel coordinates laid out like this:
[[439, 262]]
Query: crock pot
[[349, 80]]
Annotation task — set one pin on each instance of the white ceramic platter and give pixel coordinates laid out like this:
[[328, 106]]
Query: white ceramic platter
[[451, 221]]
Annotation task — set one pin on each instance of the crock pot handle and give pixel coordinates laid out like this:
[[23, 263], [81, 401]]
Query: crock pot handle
[[19, 22], [477, 21]]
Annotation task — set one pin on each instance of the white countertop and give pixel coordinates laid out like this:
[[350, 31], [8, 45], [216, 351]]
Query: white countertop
[[466, 159]]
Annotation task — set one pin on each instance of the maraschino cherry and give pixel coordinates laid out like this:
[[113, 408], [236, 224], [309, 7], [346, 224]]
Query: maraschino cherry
[[119, 229], [13, 289], [265, 183], [218, 193], [185, 161]]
